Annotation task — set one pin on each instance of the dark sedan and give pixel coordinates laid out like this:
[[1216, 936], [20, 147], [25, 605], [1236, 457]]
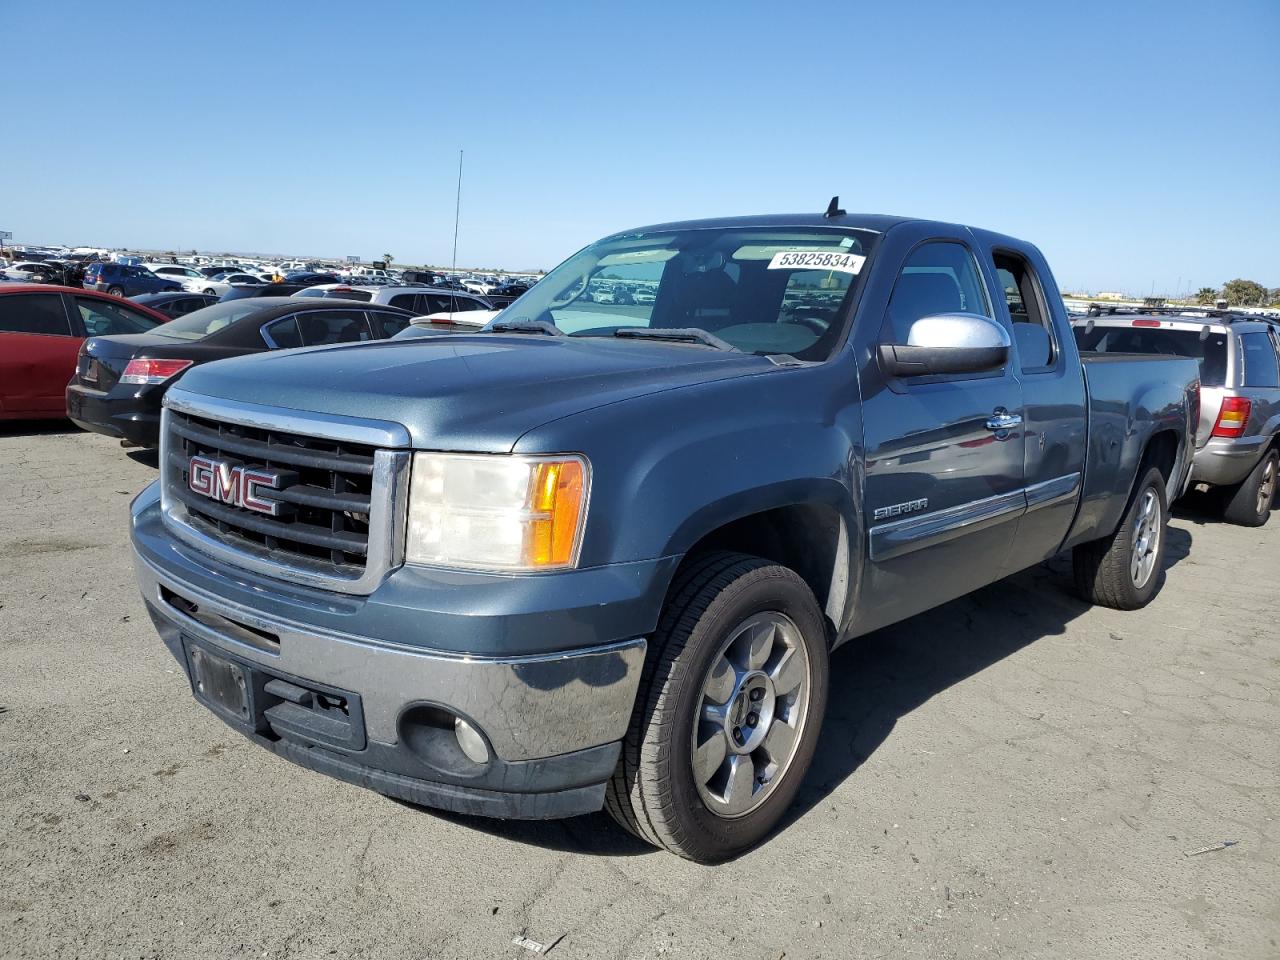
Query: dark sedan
[[175, 303], [120, 380], [308, 279]]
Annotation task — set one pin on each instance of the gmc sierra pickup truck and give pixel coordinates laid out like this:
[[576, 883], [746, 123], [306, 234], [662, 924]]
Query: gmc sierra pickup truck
[[598, 553]]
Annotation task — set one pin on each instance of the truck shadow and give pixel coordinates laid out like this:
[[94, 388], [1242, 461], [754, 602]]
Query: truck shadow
[[882, 677], [875, 681]]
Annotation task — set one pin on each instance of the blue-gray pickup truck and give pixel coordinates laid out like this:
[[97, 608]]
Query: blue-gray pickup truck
[[598, 553]]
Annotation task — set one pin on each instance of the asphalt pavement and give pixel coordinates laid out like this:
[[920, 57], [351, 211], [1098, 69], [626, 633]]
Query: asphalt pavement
[[1012, 775]]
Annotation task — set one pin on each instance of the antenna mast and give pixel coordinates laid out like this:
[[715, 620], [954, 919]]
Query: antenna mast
[[457, 210]]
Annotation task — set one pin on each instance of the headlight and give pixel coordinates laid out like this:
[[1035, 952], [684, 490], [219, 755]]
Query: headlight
[[496, 512]]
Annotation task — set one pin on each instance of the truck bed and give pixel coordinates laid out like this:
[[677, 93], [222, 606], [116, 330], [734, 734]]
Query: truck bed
[[1132, 397]]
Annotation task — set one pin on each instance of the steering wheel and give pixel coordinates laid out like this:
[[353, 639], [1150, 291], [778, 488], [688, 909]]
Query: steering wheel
[[816, 324], [571, 294]]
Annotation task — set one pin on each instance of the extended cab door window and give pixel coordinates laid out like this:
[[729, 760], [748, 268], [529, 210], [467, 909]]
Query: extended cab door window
[[1033, 332]]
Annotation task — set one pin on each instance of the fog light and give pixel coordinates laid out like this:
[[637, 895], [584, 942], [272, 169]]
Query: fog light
[[470, 741]]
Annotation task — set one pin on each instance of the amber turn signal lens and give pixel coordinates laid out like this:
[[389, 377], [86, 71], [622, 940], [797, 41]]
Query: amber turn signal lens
[[557, 509]]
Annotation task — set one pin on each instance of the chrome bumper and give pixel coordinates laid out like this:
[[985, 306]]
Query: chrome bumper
[[528, 707]]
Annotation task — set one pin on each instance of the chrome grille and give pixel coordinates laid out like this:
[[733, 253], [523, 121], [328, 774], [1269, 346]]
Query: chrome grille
[[340, 523]]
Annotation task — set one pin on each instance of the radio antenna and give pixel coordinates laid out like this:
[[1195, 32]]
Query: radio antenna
[[457, 210]]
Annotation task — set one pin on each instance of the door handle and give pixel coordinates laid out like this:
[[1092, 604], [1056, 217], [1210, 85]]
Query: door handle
[[1002, 420]]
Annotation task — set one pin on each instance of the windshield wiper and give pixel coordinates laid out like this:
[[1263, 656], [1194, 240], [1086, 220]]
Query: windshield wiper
[[683, 334], [526, 326]]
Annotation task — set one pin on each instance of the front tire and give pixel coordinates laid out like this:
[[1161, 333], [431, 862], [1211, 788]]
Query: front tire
[[1126, 570], [1249, 505], [728, 712]]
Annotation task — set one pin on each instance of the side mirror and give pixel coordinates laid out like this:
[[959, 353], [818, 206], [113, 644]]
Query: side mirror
[[947, 343]]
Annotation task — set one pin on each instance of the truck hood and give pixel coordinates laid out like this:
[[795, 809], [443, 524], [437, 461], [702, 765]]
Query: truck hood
[[476, 393]]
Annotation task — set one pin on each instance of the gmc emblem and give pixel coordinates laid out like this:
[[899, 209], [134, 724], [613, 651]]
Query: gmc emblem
[[237, 485]]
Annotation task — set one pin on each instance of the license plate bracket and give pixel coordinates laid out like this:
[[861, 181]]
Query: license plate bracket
[[221, 684]]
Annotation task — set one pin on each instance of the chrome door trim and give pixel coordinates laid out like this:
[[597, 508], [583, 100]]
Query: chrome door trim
[[1049, 492], [900, 537]]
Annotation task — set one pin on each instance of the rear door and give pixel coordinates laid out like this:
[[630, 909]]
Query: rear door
[[1055, 433], [944, 483], [38, 350]]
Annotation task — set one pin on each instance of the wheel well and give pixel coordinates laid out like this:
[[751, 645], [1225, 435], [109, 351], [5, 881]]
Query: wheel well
[[808, 538], [1162, 453]]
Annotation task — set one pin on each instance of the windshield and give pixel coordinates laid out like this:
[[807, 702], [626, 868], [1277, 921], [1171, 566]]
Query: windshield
[[774, 290], [1209, 349], [209, 320]]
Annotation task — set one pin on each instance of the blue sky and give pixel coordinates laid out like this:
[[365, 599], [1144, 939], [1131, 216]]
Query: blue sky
[[1136, 143]]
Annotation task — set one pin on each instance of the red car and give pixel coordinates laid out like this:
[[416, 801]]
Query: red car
[[41, 329]]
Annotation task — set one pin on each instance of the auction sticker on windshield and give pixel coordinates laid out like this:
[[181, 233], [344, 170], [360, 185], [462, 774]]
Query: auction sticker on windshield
[[817, 260]]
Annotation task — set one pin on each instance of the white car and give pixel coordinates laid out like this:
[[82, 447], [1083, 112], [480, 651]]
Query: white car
[[190, 278], [29, 270], [220, 283], [481, 287]]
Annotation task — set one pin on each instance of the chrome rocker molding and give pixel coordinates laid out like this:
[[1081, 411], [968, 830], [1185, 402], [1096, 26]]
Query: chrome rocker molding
[[900, 537], [388, 501]]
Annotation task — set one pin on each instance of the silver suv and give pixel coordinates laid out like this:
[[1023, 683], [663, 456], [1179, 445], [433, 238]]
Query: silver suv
[[419, 300], [1237, 447]]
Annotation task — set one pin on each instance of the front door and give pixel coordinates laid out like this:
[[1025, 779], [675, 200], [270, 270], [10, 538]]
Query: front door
[[944, 454]]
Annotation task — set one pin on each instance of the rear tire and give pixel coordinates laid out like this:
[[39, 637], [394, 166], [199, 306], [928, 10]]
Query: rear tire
[[1249, 504], [739, 657], [1126, 570], [210, 292], [116, 291]]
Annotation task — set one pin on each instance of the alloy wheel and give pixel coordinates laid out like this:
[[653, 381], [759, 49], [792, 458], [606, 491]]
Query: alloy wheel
[[1146, 539], [751, 714], [1267, 488]]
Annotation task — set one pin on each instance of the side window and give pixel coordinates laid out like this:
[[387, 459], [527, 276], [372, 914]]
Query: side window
[[333, 326], [939, 277], [1028, 311], [102, 318], [387, 324], [466, 303], [284, 333], [34, 313], [434, 303], [404, 301], [1260, 366]]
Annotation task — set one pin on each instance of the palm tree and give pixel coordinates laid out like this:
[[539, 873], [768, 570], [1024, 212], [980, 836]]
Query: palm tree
[[387, 258], [1206, 295]]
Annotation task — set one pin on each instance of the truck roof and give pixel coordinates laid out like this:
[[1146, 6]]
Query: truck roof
[[860, 221]]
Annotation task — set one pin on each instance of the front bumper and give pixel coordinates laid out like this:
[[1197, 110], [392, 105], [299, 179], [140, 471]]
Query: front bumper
[[1224, 462], [127, 413], [552, 720]]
